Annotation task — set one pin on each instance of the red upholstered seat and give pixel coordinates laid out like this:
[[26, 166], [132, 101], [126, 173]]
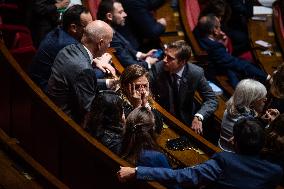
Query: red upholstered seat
[[93, 7], [18, 40], [192, 12]]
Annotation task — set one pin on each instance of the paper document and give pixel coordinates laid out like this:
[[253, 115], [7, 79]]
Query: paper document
[[261, 10]]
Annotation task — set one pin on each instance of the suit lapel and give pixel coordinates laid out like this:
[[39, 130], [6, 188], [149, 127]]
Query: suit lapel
[[186, 75], [85, 53]]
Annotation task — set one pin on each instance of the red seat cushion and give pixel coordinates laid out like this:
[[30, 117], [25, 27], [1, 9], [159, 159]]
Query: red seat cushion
[[93, 7], [192, 12]]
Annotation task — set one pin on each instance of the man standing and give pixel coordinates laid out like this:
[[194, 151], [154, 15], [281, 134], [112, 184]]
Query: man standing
[[73, 82], [174, 82], [112, 12]]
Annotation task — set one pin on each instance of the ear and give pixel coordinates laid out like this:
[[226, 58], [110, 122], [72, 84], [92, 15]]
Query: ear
[[100, 43], [109, 16], [73, 28]]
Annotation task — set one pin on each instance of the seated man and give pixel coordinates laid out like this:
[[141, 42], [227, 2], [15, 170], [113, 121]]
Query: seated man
[[174, 82], [220, 61], [73, 82], [75, 20], [112, 12], [243, 169], [146, 28]]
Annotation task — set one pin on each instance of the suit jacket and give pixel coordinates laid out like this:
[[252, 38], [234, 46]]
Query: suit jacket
[[151, 158], [125, 52], [218, 54], [192, 80], [224, 171], [53, 42], [224, 62], [141, 18], [242, 10], [44, 18], [73, 82]]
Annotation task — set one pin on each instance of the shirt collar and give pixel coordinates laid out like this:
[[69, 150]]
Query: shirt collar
[[179, 73], [89, 53]]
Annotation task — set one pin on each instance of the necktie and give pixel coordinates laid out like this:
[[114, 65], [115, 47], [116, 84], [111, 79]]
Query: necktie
[[175, 87]]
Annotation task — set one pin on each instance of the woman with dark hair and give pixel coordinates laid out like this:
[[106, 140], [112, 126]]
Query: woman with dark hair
[[135, 92], [106, 120], [139, 143]]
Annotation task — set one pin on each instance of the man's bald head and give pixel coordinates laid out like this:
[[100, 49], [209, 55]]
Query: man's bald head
[[97, 37]]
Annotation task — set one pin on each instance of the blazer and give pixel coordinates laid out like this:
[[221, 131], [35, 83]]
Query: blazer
[[141, 18], [73, 82], [151, 158], [222, 61], [124, 51], [43, 19], [225, 170], [192, 80], [53, 42]]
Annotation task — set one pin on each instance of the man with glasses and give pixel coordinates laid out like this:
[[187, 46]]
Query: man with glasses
[[174, 83], [75, 20]]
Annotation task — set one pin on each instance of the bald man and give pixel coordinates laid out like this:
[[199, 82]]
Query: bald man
[[73, 82]]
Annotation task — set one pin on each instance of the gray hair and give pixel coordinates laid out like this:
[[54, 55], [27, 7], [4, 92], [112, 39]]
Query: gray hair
[[246, 92]]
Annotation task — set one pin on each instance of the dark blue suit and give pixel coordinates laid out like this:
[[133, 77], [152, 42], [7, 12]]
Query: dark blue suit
[[222, 61], [124, 51], [236, 27], [151, 158], [141, 18], [225, 170], [54, 41]]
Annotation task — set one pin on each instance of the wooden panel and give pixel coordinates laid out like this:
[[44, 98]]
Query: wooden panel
[[262, 30]]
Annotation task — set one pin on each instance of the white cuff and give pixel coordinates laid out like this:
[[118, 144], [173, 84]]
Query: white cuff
[[107, 83], [199, 115], [138, 55]]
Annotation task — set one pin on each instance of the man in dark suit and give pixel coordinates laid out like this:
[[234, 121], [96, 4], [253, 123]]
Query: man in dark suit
[[73, 82], [141, 19], [44, 17], [143, 24], [225, 170], [174, 82], [112, 12], [220, 61], [75, 19]]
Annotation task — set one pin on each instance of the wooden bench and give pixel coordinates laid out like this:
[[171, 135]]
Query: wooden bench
[[20, 170], [51, 137]]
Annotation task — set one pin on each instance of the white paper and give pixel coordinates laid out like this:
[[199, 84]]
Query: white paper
[[263, 43], [261, 10]]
